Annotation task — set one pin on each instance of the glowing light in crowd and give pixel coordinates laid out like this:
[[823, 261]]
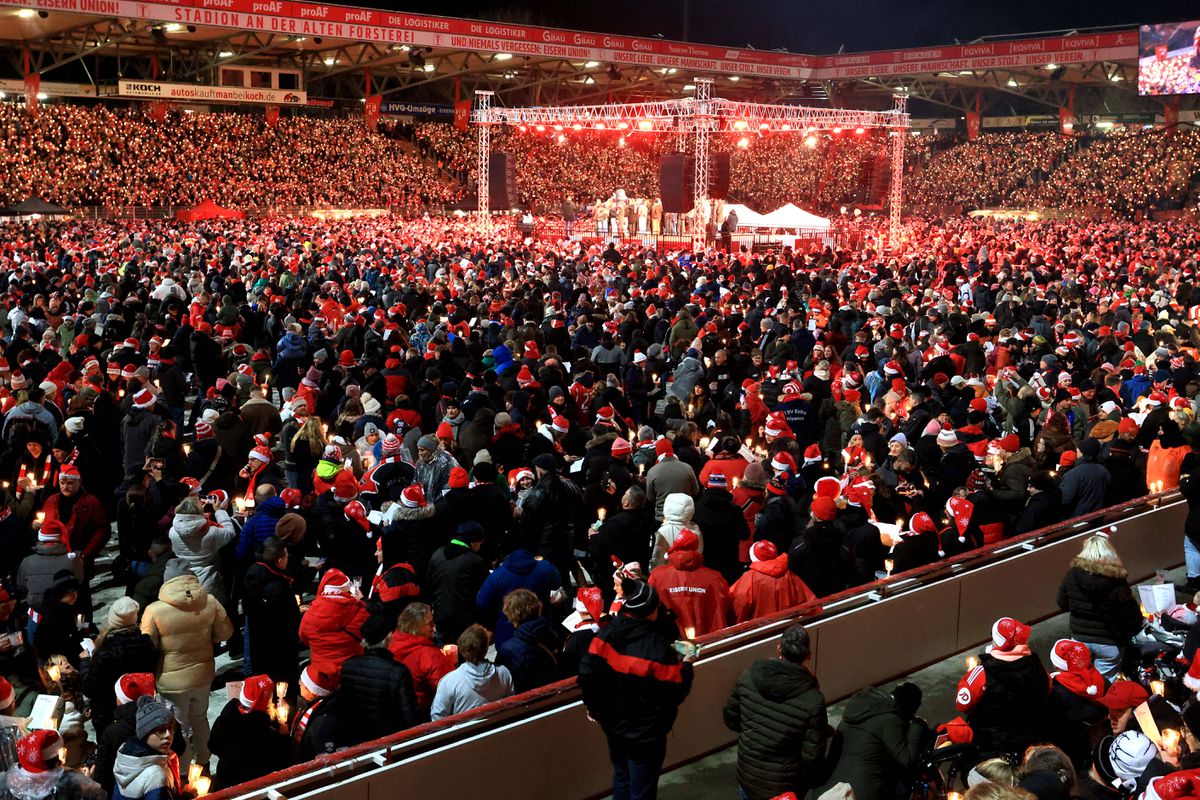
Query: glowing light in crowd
[[740, 125], [810, 141], [645, 125], [743, 143]]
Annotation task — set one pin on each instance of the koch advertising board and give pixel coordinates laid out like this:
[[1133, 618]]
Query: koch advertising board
[[196, 93]]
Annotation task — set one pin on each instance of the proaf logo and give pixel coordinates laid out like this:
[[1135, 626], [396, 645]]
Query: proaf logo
[[270, 7], [358, 16], [314, 12]]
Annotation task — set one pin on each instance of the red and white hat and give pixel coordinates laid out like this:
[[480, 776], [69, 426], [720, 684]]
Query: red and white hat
[[262, 454], [413, 496], [391, 444], [38, 749], [827, 487], [7, 695], [959, 509], [132, 685], [257, 692], [1183, 785], [262, 439], [356, 512], [663, 448], [860, 495], [1192, 679], [143, 399], [52, 531], [621, 447], [921, 522], [1008, 634], [70, 472], [561, 424], [319, 682], [782, 461], [291, 497], [203, 430], [777, 426], [192, 483], [812, 454], [345, 487], [605, 414], [763, 550]]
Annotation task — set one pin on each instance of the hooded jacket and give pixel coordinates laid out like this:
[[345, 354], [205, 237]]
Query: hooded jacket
[[879, 747], [471, 686], [425, 662], [35, 576], [677, 512], [184, 624], [197, 539], [768, 587], [531, 654], [269, 603], [697, 594], [141, 773], [778, 712], [519, 571], [332, 626]]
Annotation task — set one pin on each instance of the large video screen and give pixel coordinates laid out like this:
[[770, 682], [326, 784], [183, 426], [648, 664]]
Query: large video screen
[[1169, 58]]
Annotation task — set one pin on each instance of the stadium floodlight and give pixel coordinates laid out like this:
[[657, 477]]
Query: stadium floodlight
[[1012, 83], [429, 67], [225, 54], [26, 13], [1051, 66], [173, 27], [503, 56], [330, 61], [591, 64], [735, 78]]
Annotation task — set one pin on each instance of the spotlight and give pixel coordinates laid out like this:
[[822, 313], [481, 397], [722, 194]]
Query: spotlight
[[576, 127], [787, 126], [622, 126], [743, 143], [26, 13], [810, 141], [859, 131], [837, 131], [645, 125], [740, 125], [540, 128]]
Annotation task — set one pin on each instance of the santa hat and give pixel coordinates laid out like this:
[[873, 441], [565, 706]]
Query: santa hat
[[812, 454], [828, 487], [335, 583], [782, 461], [561, 424], [319, 682], [445, 431], [777, 426], [291, 497], [763, 551], [345, 487], [859, 495], [1074, 662], [36, 751], [413, 496], [1192, 679], [7, 695], [589, 600], [204, 430], [663, 448], [458, 478], [921, 522], [356, 512], [131, 686], [1182, 785], [52, 531], [524, 376], [605, 414], [263, 439], [959, 509], [262, 454], [143, 399], [257, 692], [1006, 444], [686, 540], [1008, 634], [518, 474], [621, 447]]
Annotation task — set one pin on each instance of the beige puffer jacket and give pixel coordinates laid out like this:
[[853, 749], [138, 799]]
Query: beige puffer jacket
[[185, 622]]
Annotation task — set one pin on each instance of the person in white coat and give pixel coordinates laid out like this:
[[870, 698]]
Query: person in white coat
[[678, 509], [196, 537]]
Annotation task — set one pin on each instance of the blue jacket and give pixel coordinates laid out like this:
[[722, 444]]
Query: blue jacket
[[259, 527], [292, 345], [532, 654], [519, 571]]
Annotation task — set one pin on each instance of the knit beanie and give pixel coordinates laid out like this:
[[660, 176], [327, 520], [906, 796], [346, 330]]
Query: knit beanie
[[151, 715], [123, 613]]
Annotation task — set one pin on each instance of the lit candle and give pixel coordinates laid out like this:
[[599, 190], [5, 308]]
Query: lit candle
[[1157, 687], [972, 662], [600, 512], [194, 773], [888, 565], [239, 505], [689, 633], [52, 673], [40, 517], [281, 688], [281, 711], [204, 783], [954, 796], [187, 449], [298, 603], [80, 623], [735, 482]]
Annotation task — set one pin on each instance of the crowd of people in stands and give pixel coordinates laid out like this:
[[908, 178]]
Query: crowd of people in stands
[[403, 469], [99, 155]]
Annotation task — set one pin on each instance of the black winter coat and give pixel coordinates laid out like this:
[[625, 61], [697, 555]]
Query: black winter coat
[[1011, 714], [627, 536], [548, 518], [452, 581], [634, 707], [819, 556], [532, 654], [378, 695], [724, 527], [878, 746], [123, 651], [269, 602], [1102, 607], [1189, 487], [247, 745], [321, 733], [776, 523], [778, 712]]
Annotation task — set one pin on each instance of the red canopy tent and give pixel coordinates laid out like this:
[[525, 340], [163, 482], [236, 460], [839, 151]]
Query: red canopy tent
[[207, 210]]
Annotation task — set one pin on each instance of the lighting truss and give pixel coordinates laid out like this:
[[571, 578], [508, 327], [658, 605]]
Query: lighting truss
[[698, 117]]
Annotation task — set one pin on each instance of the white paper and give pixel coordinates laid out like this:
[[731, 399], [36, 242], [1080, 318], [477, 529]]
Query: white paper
[[1156, 597]]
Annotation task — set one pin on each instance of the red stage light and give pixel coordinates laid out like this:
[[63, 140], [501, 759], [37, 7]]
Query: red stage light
[[576, 127], [810, 141], [540, 128], [743, 143], [785, 127]]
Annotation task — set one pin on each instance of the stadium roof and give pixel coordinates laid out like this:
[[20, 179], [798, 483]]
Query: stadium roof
[[418, 57]]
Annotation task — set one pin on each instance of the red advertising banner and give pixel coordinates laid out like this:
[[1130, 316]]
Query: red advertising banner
[[1066, 121], [272, 116], [33, 85], [462, 114], [371, 111], [974, 123]]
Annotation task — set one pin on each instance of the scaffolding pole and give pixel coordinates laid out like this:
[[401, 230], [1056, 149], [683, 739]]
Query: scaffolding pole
[[896, 198], [703, 120], [483, 153]]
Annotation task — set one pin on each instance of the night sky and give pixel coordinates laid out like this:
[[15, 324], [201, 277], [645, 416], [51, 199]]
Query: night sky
[[808, 27]]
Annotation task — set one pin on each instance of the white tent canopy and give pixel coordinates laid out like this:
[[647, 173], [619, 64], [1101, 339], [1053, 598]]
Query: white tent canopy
[[792, 216], [788, 216]]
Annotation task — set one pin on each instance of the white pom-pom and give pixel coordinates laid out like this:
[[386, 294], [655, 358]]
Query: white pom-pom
[[1093, 690]]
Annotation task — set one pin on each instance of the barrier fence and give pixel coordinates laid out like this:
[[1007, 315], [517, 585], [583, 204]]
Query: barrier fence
[[541, 744]]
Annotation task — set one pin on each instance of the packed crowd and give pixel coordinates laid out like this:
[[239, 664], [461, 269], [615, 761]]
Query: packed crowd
[[1176, 74], [364, 453], [98, 155]]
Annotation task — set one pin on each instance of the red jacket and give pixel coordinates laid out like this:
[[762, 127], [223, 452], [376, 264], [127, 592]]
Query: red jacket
[[332, 626], [87, 525], [768, 587], [698, 595], [425, 660], [731, 467]]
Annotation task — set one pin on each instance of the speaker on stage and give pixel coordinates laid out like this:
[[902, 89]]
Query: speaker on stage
[[676, 175], [718, 176], [502, 182]]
